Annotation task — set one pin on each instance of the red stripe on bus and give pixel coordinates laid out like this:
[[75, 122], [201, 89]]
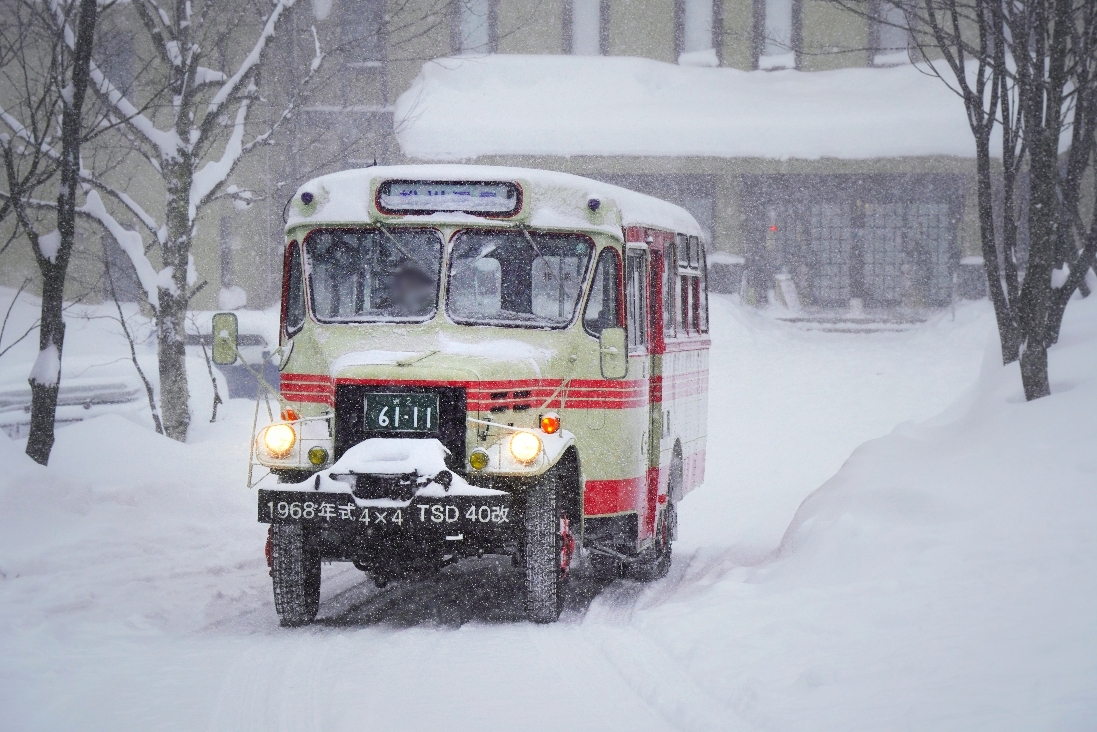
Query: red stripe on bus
[[578, 394]]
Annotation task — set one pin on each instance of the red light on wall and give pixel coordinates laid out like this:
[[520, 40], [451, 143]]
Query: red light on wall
[[773, 228]]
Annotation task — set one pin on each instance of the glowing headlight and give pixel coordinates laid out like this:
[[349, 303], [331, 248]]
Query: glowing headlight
[[525, 446], [279, 439]]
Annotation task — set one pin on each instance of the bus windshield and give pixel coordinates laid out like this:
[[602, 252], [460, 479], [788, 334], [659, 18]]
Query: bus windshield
[[374, 274], [517, 278]]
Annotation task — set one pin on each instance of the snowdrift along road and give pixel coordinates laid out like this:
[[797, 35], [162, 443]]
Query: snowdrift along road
[[943, 578]]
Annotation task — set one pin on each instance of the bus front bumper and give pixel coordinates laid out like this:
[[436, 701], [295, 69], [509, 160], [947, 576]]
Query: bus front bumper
[[458, 521]]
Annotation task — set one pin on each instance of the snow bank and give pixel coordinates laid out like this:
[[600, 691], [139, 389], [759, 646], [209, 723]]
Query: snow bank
[[945, 578], [462, 108]]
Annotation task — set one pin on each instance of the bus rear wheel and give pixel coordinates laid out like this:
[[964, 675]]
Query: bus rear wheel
[[295, 571], [548, 551], [654, 562]]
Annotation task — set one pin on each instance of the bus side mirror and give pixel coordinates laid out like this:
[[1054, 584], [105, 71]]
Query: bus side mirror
[[225, 332], [613, 346]]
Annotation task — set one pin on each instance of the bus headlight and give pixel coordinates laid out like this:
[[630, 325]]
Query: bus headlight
[[479, 459], [279, 439], [525, 447]]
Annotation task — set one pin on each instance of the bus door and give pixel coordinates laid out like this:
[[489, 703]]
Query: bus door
[[637, 298]]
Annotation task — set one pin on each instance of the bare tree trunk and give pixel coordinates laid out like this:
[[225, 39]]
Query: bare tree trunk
[[172, 313], [45, 377], [1007, 329]]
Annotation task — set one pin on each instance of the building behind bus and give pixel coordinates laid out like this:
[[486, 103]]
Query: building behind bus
[[833, 228]]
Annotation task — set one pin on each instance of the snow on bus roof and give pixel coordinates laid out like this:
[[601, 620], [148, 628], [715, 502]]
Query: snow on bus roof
[[344, 197]]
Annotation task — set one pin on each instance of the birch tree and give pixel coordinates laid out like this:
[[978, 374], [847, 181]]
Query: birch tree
[[190, 133], [49, 46], [1026, 73]]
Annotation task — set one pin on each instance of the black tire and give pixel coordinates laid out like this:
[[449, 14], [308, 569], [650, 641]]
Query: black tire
[[543, 544], [605, 569], [295, 570], [654, 562]]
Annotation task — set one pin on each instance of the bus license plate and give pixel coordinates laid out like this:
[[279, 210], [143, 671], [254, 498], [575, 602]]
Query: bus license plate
[[401, 412]]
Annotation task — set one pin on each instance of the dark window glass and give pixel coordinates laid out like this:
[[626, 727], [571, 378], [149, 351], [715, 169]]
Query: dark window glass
[[295, 291], [684, 289], [683, 250], [695, 302], [636, 296], [603, 309], [670, 279], [704, 292], [373, 274], [694, 251], [508, 277]]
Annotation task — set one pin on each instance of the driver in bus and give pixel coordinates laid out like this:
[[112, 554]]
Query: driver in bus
[[412, 291]]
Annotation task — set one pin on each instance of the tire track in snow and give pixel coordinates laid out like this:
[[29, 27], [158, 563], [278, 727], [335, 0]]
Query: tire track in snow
[[655, 676]]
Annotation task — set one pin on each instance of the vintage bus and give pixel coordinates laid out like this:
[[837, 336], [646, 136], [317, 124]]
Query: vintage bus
[[481, 360]]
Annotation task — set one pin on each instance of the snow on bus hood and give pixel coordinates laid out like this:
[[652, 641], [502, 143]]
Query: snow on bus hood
[[391, 456], [495, 350]]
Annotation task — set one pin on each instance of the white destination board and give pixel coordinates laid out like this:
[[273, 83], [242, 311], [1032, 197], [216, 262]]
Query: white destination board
[[429, 196]]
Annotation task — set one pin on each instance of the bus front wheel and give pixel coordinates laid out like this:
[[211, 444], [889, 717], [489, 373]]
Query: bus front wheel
[[295, 571], [549, 548]]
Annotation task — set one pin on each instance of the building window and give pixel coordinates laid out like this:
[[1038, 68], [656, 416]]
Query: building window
[[117, 59], [890, 34], [474, 26], [777, 34], [695, 37], [586, 27], [360, 26]]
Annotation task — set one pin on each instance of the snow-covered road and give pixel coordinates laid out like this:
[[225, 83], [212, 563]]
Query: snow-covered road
[[134, 595]]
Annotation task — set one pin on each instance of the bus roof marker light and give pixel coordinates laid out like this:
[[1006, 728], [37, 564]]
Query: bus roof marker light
[[306, 198], [593, 204]]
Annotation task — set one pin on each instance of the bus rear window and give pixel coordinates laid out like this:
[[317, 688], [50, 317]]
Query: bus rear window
[[373, 274], [517, 278]]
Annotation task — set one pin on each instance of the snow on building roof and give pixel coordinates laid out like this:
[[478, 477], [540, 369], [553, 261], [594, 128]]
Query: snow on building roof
[[462, 108], [553, 200]]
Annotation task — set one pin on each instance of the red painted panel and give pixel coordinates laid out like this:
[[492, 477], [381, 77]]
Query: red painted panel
[[601, 497]]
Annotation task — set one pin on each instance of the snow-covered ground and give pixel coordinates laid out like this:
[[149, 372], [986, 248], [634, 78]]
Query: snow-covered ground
[[944, 575]]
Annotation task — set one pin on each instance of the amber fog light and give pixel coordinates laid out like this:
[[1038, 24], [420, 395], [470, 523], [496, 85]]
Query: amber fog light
[[478, 459], [525, 446], [318, 455], [279, 439], [550, 423]]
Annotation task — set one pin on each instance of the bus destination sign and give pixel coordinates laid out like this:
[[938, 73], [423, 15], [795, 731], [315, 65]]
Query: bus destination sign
[[416, 197]]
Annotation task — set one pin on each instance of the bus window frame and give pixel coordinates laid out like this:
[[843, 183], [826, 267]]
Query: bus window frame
[[641, 251], [588, 279], [670, 289], [438, 290], [622, 318], [287, 258]]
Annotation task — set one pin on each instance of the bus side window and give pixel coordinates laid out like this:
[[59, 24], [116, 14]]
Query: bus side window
[[704, 293], [294, 294], [683, 250], [696, 282], [670, 279], [636, 298], [603, 308], [685, 289]]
